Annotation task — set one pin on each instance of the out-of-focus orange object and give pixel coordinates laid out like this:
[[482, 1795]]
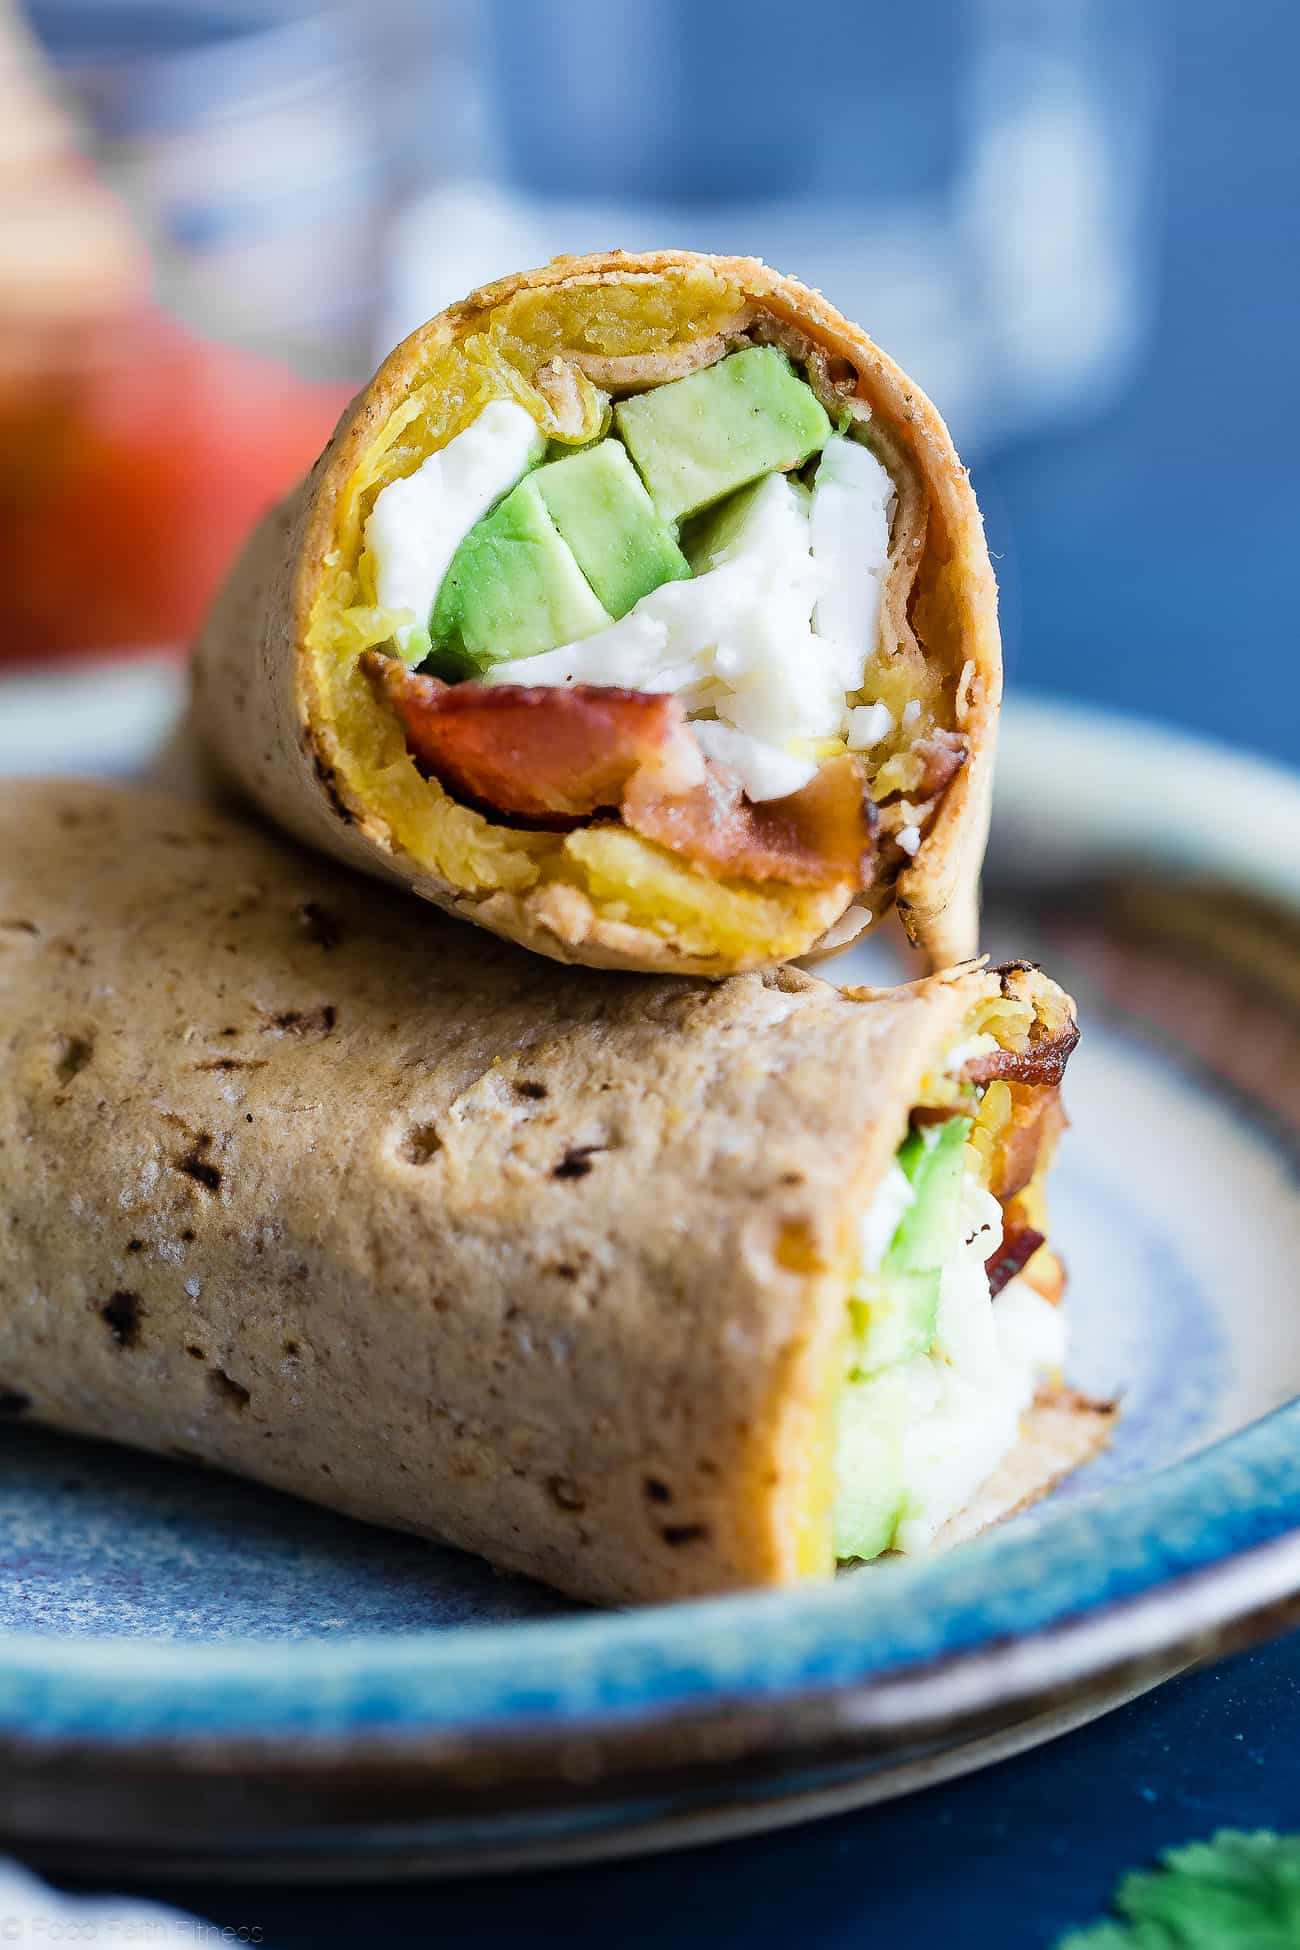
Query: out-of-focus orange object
[[134, 454], [127, 484]]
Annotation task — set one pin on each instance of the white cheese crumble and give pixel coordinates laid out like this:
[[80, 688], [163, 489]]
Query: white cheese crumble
[[418, 523], [868, 725], [909, 838], [852, 509], [765, 771]]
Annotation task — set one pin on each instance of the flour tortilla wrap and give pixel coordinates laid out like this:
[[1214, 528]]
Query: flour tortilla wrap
[[387, 1214], [283, 702]]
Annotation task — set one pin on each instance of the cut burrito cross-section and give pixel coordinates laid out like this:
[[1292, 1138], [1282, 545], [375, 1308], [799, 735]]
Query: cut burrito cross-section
[[639, 610], [645, 1287]]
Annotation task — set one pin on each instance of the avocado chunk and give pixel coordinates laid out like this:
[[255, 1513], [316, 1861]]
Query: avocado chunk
[[622, 545], [897, 1316], [931, 1161], [870, 1493], [513, 588], [704, 436]]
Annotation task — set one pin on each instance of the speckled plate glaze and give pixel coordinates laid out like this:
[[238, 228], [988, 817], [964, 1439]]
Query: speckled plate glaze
[[199, 1675]]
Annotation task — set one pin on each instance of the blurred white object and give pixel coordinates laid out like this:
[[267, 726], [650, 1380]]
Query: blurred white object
[[30, 1912], [1009, 283], [256, 143]]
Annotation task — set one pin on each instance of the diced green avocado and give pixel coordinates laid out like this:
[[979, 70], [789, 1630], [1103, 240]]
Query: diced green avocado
[[702, 437], [897, 1316], [869, 1488], [623, 547], [931, 1160], [513, 588]]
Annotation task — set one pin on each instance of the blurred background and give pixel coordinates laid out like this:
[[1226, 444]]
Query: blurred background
[[1072, 220]]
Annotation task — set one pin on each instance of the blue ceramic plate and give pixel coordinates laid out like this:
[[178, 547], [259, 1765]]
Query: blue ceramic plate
[[195, 1673]]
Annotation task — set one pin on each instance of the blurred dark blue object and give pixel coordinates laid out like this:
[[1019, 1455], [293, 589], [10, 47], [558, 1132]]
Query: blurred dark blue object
[[706, 104], [1149, 561]]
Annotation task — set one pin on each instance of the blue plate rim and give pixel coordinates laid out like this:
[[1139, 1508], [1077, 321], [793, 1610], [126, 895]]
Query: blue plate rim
[[999, 1615]]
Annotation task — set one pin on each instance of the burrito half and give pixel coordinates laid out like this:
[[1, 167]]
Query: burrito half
[[639, 610], [644, 1287]]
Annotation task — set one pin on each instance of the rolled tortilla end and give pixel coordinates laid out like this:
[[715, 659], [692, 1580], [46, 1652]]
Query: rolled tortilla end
[[567, 1270], [756, 857]]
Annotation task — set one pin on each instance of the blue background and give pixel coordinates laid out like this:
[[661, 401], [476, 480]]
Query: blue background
[[1151, 561]]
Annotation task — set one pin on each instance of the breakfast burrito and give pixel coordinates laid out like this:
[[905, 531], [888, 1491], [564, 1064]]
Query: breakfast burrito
[[639, 610], [642, 1286]]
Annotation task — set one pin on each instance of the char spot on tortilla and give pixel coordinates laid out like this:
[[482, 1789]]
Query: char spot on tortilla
[[229, 1392], [231, 1063], [320, 927], [135, 1245], [576, 1162], [531, 1088], [329, 786], [292, 1350], [121, 1313], [14, 1402], [198, 1167], [316, 1021], [19, 927], [684, 1533], [195, 1352], [656, 1490], [419, 1145]]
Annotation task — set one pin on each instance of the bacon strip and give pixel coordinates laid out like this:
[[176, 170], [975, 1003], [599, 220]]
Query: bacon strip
[[1030, 1135], [532, 751], [556, 756], [1043, 1062], [942, 755], [1019, 1244], [812, 838]]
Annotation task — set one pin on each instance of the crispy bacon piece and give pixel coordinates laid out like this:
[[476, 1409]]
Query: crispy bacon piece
[[1045, 1276], [1036, 1122], [1019, 1244], [812, 838], [532, 751], [1043, 1062], [556, 756], [942, 755]]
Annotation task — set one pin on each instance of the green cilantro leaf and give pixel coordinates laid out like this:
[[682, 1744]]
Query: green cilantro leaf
[[1236, 1892]]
